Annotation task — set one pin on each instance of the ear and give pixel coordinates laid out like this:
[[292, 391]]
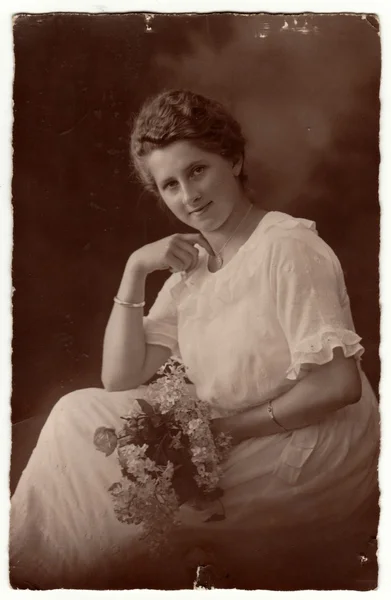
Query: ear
[[237, 166]]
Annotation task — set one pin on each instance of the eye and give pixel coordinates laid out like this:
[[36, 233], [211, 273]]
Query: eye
[[198, 170], [170, 185]]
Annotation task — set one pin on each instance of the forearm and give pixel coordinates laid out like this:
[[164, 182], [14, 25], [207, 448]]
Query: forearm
[[124, 345], [324, 390]]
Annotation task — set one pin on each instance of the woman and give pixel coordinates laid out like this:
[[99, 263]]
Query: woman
[[257, 308]]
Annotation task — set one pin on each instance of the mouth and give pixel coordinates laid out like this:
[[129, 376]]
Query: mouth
[[201, 210]]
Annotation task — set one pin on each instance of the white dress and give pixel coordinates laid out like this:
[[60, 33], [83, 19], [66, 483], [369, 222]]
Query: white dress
[[246, 334]]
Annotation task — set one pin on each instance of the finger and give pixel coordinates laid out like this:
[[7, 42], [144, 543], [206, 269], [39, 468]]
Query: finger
[[183, 256], [174, 263], [193, 252], [198, 238]]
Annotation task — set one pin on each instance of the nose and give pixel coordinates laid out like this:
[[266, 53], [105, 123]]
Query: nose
[[190, 196]]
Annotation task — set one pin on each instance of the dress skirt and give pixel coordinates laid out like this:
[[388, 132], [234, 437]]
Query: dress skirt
[[64, 533]]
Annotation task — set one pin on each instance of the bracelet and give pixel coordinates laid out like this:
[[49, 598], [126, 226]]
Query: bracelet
[[271, 415], [129, 304]]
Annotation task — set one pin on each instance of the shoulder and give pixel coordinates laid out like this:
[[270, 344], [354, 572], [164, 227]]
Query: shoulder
[[294, 251], [285, 237], [279, 225]]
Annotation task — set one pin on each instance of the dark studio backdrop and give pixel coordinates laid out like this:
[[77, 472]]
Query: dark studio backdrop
[[306, 90]]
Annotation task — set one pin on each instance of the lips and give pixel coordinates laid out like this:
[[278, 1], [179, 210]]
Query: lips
[[198, 211]]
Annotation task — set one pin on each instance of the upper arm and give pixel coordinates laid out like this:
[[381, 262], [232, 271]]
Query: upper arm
[[341, 376], [312, 305], [155, 357]]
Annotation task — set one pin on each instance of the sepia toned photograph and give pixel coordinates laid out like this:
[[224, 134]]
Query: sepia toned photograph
[[196, 315]]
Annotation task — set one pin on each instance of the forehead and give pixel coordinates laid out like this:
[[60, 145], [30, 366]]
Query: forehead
[[175, 159]]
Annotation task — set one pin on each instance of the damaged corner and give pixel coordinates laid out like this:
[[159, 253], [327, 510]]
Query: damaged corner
[[373, 21]]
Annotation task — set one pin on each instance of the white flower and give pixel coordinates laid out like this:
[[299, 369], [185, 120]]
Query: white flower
[[148, 497], [193, 425], [200, 454]]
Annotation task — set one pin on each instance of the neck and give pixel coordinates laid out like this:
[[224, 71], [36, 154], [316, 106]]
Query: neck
[[219, 237]]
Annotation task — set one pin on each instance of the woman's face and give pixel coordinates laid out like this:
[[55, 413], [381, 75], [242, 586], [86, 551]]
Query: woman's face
[[199, 187]]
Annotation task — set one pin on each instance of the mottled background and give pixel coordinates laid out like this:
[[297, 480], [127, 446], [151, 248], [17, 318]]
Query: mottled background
[[306, 90]]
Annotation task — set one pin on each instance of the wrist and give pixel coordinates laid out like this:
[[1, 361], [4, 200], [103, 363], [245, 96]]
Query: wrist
[[132, 286], [136, 268], [254, 422]]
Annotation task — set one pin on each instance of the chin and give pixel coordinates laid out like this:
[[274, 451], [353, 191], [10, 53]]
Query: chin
[[211, 227], [211, 222], [208, 226]]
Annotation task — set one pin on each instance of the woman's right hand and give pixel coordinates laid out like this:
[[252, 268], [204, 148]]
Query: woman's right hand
[[176, 252]]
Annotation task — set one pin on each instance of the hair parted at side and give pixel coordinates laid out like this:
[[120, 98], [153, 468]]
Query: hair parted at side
[[177, 115]]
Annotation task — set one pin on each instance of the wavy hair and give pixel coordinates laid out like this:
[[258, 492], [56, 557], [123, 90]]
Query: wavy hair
[[179, 115]]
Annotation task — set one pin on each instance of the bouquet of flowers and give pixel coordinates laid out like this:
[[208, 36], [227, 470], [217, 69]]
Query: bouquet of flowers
[[168, 455]]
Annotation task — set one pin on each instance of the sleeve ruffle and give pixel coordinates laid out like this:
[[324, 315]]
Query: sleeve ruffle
[[318, 349], [158, 333]]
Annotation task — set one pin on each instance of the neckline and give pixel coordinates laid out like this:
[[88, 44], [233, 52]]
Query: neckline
[[240, 250]]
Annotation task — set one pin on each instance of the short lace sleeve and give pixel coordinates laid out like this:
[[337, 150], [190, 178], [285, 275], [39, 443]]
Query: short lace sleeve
[[311, 301], [160, 326]]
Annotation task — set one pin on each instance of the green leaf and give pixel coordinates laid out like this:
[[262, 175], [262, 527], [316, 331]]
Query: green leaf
[[145, 407]]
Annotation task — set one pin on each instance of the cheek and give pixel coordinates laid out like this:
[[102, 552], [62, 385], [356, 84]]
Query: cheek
[[173, 205], [168, 200], [222, 186]]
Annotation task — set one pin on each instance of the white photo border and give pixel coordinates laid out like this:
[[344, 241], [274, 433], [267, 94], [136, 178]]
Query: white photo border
[[9, 8]]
